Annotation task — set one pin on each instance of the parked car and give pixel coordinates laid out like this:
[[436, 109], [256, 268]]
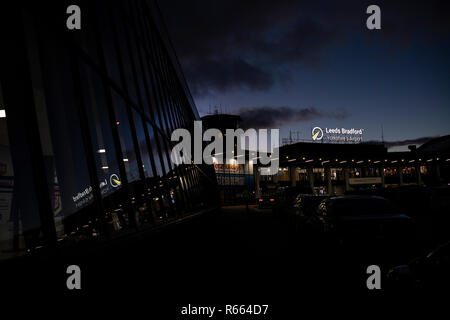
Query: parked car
[[267, 201], [357, 218], [303, 211], [429, 271], [284, 200]]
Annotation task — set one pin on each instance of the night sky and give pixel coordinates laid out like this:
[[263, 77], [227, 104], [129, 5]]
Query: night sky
[[294, 65]]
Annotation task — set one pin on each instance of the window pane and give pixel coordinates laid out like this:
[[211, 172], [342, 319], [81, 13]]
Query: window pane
[[61, 138], [164, 152], [144, 150], [109, 50], [100, 130], [124, 54], [19, 216], [126, 141], [155, 153]]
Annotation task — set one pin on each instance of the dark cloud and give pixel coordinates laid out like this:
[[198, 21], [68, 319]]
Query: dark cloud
[[274, 117], [228, 45], [227, 74], [407, 21], [233, 44], [406, 142]]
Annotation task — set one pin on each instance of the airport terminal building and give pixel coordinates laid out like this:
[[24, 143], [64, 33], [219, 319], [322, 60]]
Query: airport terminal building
[[336, 168], [235, 181], [85, 123]]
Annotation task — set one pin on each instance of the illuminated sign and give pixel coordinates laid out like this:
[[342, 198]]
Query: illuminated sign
[[317, 133], [366, 180], [229, 168], [114, 180], [85, 196], [337, 134]]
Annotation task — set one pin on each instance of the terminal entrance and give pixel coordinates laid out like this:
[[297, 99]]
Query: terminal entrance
[[341, 168]]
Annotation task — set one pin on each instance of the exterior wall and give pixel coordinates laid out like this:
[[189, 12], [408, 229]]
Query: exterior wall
[[337, 168], [338, 180], [236, 182], [89, 115]]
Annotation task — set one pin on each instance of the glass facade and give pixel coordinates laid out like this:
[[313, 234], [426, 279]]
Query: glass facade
[[85, 123]]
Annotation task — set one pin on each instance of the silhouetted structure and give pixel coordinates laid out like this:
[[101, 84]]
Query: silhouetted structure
[[337, 168], [85, 125], [236, 181]]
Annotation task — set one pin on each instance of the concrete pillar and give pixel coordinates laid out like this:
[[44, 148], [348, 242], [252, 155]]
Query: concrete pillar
[[293, 176], [347, 179], [418, 175], [382, 176], [400, 175], [275, 176], [438, 173], [311, 178], [328, 175], [257, 178]]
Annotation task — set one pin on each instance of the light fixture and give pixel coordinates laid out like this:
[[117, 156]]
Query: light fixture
[[125, 159], [105, 167], [2, 113], [101, 151]]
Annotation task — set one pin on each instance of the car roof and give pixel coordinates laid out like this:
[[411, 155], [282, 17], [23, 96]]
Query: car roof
[[341, 199], [308, 195], [357, 197]]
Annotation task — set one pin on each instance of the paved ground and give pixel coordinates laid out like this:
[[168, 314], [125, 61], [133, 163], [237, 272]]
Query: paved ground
[[231, 256]]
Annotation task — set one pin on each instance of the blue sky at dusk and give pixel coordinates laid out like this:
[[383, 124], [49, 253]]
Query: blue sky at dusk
[[319, 63]]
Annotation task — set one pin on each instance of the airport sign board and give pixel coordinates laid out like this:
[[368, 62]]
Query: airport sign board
[[337, 134]]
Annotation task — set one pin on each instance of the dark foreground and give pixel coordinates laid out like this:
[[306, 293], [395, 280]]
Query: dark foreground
[[233, 256]]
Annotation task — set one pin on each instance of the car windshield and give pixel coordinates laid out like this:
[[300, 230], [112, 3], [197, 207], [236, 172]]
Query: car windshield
[[364, 206]]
